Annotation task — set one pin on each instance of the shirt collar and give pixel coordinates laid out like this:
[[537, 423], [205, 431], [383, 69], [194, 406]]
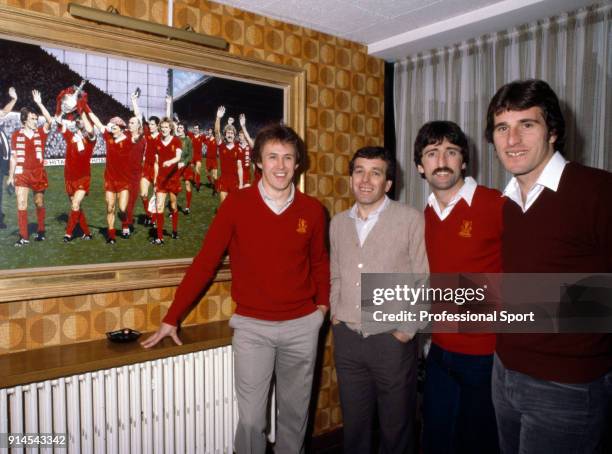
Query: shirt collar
[[549, 178], [374, 214], [271, 202], [466, 192]]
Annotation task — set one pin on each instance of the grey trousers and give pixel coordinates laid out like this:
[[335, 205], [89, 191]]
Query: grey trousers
[[287, 349]]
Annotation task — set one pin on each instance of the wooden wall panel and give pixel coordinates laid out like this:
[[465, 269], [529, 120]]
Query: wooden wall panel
[[345, 104]]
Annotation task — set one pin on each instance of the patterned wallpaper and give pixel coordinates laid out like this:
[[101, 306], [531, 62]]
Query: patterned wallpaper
[[345, 89]]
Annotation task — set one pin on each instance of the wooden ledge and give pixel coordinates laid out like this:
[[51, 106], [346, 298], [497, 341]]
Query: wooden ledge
[[66, 360]]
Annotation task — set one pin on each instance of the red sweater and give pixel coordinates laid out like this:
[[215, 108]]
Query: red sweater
[[279, 263], [568, 231], [468, 241]]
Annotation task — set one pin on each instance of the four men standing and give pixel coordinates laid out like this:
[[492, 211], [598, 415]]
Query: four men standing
[[550, 391]]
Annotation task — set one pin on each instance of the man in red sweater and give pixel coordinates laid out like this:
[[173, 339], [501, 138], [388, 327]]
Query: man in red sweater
[[550, 391], [463, 227], [280, 282]]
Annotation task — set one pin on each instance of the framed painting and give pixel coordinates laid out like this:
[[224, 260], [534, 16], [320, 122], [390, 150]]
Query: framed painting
[[117, 78]]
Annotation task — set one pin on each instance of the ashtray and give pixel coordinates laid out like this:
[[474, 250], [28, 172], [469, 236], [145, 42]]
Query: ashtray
[[123, 335]]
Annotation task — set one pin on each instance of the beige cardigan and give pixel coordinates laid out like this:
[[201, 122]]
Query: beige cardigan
[[396, 244]]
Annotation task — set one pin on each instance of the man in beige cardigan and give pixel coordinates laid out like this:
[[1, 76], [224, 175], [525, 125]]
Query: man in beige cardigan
[[375, 370]]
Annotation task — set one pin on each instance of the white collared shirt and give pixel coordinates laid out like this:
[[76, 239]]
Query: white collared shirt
[[365, 226], [466, 192], [549, 178], [271, 202]]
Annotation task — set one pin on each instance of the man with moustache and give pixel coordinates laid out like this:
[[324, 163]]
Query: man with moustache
[[550, 391], [463, 228], [375, 371], [280, 282]]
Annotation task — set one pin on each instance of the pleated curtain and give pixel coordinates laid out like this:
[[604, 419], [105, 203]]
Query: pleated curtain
[[572, 52]]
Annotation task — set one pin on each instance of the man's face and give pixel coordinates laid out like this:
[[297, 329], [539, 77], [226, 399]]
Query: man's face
[[153, 126], [209, 132], [196, 130], [368, 182], [230, 135], [180, 130], [134, 125], [441, 165], [522, 142], [164, 128], [31, 121], [241, 137], [278, 164], [115, 131]]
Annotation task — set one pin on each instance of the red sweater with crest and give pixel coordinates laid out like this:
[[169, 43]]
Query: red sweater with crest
[[279, 262], [467, 241]]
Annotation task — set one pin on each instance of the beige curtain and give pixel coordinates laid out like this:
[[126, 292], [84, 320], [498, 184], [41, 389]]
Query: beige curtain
[[572, 52]]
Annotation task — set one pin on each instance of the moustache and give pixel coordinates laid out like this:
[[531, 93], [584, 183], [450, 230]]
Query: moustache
[[442, 169]]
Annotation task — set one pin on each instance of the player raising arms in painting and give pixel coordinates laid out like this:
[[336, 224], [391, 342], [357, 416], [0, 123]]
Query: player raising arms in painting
[[138, 148], [151, 135], [199, 149], [27, 170], [211, 159], [77, 172], [245, 145], [168, 178], [231, 167], [117, 171]]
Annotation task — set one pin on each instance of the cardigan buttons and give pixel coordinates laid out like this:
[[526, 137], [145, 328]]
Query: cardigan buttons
[[357, 284], [360, 265]]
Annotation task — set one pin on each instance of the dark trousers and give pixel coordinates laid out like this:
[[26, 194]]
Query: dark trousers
[[377, 372], [458, 414], [540, 417]]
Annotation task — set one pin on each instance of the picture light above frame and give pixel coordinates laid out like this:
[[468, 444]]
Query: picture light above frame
[[112, 17]]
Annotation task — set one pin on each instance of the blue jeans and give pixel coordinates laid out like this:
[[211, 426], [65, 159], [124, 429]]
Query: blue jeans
[[458, 415], [536, 416]]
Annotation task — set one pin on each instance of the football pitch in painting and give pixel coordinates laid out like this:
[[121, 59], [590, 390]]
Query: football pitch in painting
[[106, 159]]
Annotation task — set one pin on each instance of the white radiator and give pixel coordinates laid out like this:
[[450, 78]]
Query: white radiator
[[181, 404]]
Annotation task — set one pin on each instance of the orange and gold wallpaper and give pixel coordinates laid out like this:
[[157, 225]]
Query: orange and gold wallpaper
[[345, 93]]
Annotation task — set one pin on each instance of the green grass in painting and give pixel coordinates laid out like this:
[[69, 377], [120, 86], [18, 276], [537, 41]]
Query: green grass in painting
[[54, 252]]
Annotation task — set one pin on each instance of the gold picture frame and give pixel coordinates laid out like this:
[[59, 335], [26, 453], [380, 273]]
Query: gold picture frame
[[36, 28]]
